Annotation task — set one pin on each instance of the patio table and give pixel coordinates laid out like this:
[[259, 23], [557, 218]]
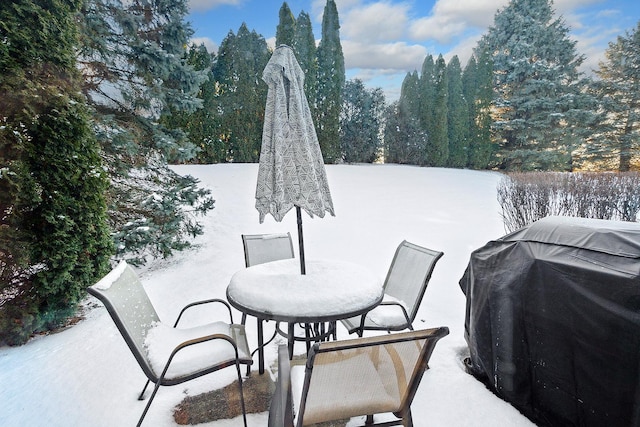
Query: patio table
[[329, 291]]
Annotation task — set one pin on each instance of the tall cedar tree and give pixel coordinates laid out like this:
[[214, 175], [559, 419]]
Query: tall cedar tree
[[285, 31], [304, 45], [241, 92], [331, 80], [425, 94], [54, 241], [437, 151], [405, 140], [536, 80], [619, 89], [477, 82], [134, 66], [360, 123], [458, 116]]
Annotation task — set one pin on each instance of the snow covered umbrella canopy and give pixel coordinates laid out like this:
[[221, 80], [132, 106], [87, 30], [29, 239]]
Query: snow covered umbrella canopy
[[291, 171]]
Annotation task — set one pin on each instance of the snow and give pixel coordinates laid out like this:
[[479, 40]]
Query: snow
[[162, 339], [390, 314], [329, 288], [86, 375], [108, 280]]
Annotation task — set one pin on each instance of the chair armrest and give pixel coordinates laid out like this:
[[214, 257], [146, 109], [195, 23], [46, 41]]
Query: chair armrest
[[195, 341], [193, 304], [404, 310], [281, 409]]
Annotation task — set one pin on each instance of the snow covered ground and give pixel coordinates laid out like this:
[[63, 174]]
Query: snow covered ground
[[86, 376]]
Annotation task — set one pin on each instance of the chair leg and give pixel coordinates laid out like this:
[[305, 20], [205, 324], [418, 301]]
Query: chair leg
[[407, 420], [290, 338], [146, 408], [141, 397], [244, 412]]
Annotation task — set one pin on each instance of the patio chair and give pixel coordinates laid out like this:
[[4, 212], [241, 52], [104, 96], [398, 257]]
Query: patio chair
[[261, 248], [258, 249], [352, 378], [169, 355], [404, 288]]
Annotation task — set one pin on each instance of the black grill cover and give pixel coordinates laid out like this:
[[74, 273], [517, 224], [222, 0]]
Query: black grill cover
[[553, 320]]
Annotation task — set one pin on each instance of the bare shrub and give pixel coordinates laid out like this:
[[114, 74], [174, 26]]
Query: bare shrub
[[528, 197]]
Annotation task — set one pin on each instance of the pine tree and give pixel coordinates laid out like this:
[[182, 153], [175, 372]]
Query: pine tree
[[304, 45], [241, 92], [536, 80], [285, 31], [619, 90], [331, 80], [458, 116], [203, 125], [360, 123], [135, 69], [54, 241], [437, 151]]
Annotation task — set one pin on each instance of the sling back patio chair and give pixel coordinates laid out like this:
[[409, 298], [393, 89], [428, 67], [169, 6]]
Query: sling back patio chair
[[354, 378], [169, 355], [258, 249], [261, 248], [404, 288]]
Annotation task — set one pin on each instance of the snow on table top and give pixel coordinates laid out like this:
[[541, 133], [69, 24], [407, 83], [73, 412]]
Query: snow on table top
[[330, 288]]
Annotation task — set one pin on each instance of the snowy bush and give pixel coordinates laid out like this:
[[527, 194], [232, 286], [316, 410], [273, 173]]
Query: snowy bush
[[527, 197]]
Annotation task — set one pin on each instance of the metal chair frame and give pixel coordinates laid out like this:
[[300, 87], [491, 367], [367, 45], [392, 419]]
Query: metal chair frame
[[360, 324], [124, 277], [281, 412]]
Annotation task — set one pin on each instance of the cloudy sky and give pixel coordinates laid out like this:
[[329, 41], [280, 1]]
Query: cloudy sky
[[382, 40]]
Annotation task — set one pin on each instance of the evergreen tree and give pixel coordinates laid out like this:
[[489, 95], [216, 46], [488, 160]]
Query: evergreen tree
[[285, 31], [203, 125], [134, 66], [241, 92], [437, 151], [360, 123], [304, 45], [408, 118], [619, 90], [411, 95], [536, 80], [426, 94], [331, 80], [477, 82], [54, 241], [458, 116], [404, 140]]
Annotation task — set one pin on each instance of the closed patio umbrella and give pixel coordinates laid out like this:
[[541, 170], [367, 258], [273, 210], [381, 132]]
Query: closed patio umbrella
[[291, 171]]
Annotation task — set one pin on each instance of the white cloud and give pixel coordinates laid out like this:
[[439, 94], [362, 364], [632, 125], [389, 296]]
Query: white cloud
[[396, 56], [463, 49], [380, 21], [212, 47], [451, 18], [204, 5]]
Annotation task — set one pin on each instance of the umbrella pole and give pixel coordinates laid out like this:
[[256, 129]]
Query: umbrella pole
[[301, 241]]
